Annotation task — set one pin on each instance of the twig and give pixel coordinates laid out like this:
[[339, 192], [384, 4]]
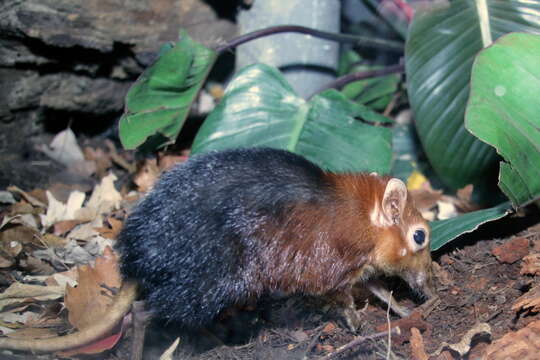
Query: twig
[[342, 38], [344, 80], [313, 341], [360, 339], [388, 322]]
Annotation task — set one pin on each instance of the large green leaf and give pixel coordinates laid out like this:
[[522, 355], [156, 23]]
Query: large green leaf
[[504, 111], [440, 50], [261, 109], [158, 103], [444, 231]]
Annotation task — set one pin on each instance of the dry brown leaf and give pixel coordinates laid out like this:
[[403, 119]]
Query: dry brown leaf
[[464, 346], [18, 293], [35, 266], [89, 301], [112, 231], [425, 197], [62, 227], [32, 333], [329, 328], [32, 200], [405, 325], [417, 345], [104, 199], [511, 251], [531, 265], [64, 278], [168, 161], [523, 344], [6, 261], [529, 301], [100, 158], [19, 234], [147, 175], [23, 207]]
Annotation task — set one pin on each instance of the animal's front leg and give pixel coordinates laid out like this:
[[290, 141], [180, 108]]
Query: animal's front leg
[[344, 300], [382, 293]]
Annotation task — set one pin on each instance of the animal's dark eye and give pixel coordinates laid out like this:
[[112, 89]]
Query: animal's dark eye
[[419, 237]]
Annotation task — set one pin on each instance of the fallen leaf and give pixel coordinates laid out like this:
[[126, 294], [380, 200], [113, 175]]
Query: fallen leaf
[[32, 200], [405, 325], [62, 191], [523, 344], [168, 161], [112, 231], [447, 210], [86, 231], [90, 301], [511, 251], [531, 265], [32, 333], [63, 148], [6, 198], [425, 197], [35, 266], [18, 234], [62, 279], [16, 317], [71, 253], [325, 348], [464, 346], [147, 175], [62, 227], [18, 293], [6, 261], [58, 211], [168, 354], [100, 158], [529, 301], [51, 240], [104, 199], [22, 208], [329, 328], [119, 159], [417, 345]]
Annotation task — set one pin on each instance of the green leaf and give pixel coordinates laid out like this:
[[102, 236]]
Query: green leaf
[[503, 111], [440, 50], [158, 103], [261, 109], [444, 231], [375, 93]]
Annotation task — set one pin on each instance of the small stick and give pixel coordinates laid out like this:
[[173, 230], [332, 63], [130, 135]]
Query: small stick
[[360, 339], [388, 322], [313, 341]]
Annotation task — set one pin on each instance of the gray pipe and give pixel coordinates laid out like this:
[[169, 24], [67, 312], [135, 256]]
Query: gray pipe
[[307, 63]]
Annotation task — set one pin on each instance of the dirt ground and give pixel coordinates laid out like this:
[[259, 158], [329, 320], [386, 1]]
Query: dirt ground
[[473, 285]]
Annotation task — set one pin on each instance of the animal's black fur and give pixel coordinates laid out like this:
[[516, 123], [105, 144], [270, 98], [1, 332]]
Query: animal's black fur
[[187, 242]]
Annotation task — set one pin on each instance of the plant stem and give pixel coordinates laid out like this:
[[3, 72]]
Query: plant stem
[[340, 82], [342, 38]]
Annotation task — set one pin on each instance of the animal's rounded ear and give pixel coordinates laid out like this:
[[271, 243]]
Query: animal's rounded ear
[[394, 200]]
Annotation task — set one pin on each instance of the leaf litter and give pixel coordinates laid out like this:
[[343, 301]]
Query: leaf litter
[[62, 244]]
